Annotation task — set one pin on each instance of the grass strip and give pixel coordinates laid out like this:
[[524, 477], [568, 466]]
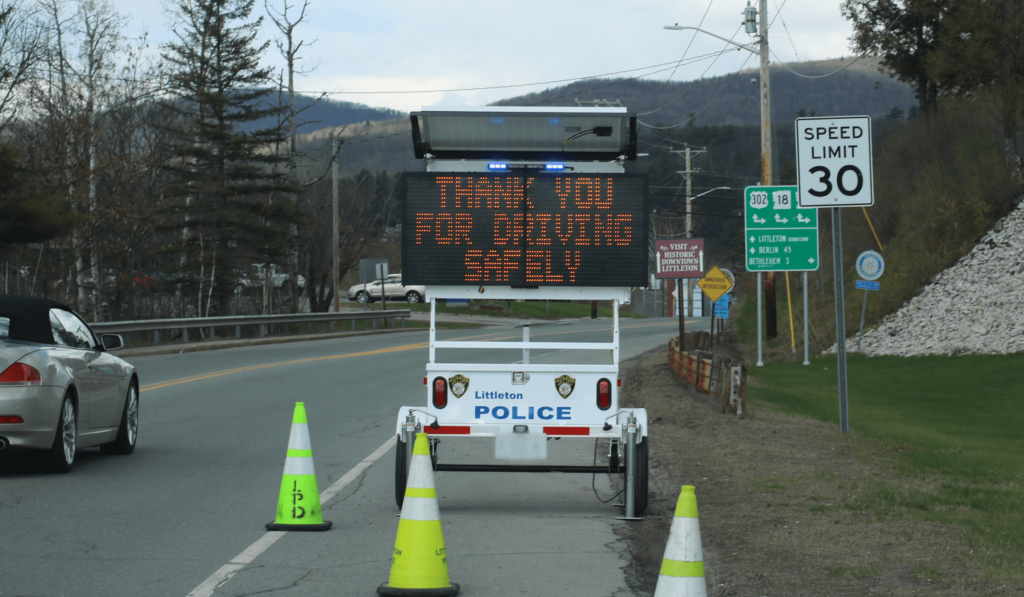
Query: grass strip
[[951, 426]]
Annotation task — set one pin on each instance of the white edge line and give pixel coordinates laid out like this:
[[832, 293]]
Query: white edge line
[[227, 571]]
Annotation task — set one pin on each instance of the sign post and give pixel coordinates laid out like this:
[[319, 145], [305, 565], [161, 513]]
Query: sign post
[[715, 284], [682, 258], [807, 361], [834, 169], [367, 273], [780, 237], [382, 275], [870, 266]]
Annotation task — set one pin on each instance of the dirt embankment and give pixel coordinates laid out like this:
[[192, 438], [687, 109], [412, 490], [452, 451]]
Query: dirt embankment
[[771, 491]]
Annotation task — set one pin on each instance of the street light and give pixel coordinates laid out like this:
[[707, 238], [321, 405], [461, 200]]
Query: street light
[[689, 200], [712, 191], [749, 48]]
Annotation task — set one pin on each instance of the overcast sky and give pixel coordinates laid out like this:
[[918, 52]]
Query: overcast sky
[[402, 45]]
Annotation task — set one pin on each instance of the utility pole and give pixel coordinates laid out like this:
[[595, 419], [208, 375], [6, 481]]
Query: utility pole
[[683, 287], [752, 25], [766, 156], [689, 152], [334, 211]]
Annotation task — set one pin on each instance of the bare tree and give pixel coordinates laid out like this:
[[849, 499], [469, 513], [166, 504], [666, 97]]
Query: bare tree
[[82, 43], [286, 20], [20, 51]]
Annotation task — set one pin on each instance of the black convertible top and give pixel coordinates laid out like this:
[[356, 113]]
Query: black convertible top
[[30, 317]]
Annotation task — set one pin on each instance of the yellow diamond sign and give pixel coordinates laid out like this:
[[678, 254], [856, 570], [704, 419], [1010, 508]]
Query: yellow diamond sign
[[715, 283]]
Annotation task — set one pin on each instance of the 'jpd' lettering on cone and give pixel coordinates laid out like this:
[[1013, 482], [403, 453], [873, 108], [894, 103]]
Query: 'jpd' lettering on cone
[[298, 504]]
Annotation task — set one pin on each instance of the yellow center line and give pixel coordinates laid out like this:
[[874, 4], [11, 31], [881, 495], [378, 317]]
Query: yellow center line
[[405, 347], [175, 382]]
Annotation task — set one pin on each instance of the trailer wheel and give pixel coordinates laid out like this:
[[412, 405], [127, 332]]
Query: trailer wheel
[[401, 472], [640, 480]]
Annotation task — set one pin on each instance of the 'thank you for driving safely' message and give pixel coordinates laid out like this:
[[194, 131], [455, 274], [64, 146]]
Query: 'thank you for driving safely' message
[[525, 229]]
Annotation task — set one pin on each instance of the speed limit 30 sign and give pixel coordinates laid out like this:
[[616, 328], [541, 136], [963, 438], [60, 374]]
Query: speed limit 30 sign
[[833, 161]]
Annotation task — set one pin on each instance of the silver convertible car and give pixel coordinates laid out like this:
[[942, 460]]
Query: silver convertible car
[[60, 389]]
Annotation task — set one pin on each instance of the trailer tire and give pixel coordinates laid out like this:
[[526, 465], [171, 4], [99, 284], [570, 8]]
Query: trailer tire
[[640, 481], [401, 472]]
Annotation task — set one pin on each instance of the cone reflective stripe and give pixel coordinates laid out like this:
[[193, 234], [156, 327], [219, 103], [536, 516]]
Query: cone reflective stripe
[[419, 564], [298, 504], [682, 569]]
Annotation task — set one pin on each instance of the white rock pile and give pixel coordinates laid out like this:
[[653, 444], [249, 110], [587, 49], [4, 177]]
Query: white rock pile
[[975, 306]]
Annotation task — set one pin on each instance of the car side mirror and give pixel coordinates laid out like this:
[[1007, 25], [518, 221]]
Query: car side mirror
[[112, 341]]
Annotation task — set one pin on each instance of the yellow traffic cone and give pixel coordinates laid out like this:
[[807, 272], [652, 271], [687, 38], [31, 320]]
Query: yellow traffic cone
[[419, 565], [298, 506], [682, 569]]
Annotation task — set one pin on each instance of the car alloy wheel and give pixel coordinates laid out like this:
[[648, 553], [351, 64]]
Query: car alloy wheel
[[65, 438], [68, 431], [361, 296], [413, 296], [128, 430], [133, 414]]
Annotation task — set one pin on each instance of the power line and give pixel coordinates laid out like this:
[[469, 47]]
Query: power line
[[848, 65], [660, 215], [668, 66], [579, 91], [693, 83], [632, 70], [662, 88], [778, 13], [724, 87]]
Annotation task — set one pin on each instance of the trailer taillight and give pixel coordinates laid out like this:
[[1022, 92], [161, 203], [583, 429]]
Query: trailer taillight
[[440, 392], [604, 394]]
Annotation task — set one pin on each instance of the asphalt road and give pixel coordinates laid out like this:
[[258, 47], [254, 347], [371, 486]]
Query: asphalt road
[[184, 514]]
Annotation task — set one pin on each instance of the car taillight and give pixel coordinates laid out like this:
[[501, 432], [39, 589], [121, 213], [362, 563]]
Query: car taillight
[[604, 394], [20, 373], [10, 420], [440, 392]]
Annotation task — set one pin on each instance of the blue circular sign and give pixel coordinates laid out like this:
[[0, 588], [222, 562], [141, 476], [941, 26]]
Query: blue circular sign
[[870, 265]]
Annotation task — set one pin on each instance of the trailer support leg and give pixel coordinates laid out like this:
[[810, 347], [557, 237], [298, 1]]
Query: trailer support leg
[[631, 464], [409, 431]]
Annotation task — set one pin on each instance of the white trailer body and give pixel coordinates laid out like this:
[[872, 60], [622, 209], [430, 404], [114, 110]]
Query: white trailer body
[[524, 404]]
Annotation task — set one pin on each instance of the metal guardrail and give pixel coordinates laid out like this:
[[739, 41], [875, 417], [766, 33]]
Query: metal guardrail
[[211, 323]]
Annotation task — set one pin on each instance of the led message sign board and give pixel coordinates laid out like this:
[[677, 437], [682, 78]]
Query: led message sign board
[[525, 229]]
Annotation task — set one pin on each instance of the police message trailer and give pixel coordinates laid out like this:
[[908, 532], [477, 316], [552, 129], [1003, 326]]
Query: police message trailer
[[527, 204], [525, 229]]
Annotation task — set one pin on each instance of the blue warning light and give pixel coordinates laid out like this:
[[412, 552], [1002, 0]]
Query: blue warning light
[[555, 166], [498, 166]]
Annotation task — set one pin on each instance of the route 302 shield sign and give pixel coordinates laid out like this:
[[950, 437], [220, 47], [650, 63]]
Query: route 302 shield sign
[[833, 161]]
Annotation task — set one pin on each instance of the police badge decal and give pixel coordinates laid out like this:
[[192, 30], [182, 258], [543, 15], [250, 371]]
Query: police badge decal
[[565, 385], [459, 384]]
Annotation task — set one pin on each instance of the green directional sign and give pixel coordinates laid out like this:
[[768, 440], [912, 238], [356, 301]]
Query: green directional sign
[[780, 237]]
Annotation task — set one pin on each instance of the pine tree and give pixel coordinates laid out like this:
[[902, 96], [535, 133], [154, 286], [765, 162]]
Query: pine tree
[[978, 51], [223, 178], [903, 34]]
